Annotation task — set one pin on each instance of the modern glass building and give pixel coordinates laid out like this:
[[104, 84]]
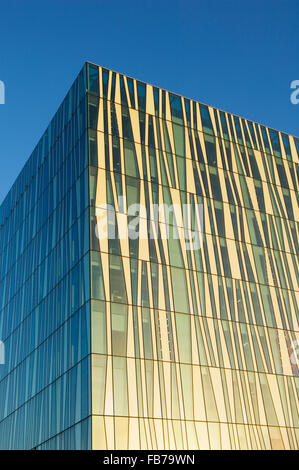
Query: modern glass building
[[150, 342]]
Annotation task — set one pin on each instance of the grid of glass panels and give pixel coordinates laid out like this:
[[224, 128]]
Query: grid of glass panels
[[127, 344], [192, 349], [44, 290]]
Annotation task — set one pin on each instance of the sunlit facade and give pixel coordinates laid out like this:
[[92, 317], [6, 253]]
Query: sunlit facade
[[122, 343]]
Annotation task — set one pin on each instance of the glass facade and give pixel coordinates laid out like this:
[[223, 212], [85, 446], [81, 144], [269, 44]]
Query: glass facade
[[44, 290], [143, 343]]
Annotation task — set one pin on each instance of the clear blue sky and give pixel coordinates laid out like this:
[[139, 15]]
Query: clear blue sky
[[237, 55]]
